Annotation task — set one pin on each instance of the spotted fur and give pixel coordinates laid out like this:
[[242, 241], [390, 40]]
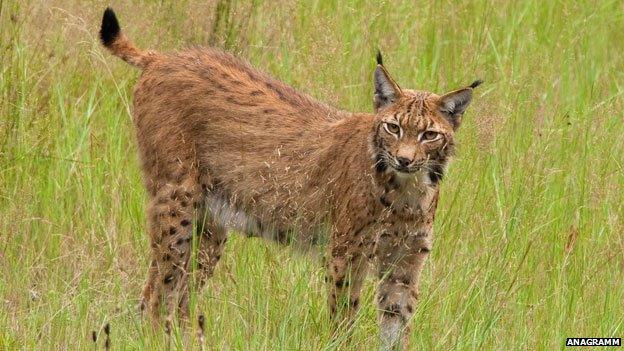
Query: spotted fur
[[224, 146]]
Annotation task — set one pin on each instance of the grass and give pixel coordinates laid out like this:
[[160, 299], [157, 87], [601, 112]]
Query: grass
[[530, 243]]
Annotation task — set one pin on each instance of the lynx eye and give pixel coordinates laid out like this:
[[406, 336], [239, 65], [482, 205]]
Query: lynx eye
[[392, 128], [429, 136]]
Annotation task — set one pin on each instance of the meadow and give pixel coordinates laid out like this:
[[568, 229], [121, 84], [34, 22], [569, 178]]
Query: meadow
[[529, 243]]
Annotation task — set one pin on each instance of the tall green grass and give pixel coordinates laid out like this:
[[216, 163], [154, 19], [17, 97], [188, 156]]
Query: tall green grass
[[530, 244]]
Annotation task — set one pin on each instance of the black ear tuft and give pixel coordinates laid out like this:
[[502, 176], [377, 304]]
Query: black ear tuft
[[476, 83], [110, 27], [379, 58]]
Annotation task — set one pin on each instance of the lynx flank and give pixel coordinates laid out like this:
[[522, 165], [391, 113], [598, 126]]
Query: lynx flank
[[224, 146]]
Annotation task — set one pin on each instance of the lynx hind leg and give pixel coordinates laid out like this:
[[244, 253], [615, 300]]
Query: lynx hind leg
[[211, 245], [148, 289], [171, 215]]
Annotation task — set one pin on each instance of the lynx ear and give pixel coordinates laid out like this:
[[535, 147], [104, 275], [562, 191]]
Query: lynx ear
[[386, 90], [453, 105]]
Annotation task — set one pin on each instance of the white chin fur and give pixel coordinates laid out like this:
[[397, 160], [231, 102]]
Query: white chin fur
[[422, 176]]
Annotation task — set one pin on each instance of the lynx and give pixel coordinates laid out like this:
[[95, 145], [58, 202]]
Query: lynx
[[226, 147]]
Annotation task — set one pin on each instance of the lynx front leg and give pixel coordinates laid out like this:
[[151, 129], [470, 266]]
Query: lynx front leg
[[345, 274], [401, 259]]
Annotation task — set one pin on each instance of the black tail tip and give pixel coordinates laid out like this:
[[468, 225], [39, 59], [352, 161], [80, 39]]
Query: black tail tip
[[110, 27], [476, 83], [379, 58]]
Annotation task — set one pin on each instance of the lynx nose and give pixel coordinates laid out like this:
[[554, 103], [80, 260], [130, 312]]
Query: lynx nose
[[403, 161]]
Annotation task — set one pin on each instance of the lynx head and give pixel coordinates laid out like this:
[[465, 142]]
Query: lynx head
[[414, 129]]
